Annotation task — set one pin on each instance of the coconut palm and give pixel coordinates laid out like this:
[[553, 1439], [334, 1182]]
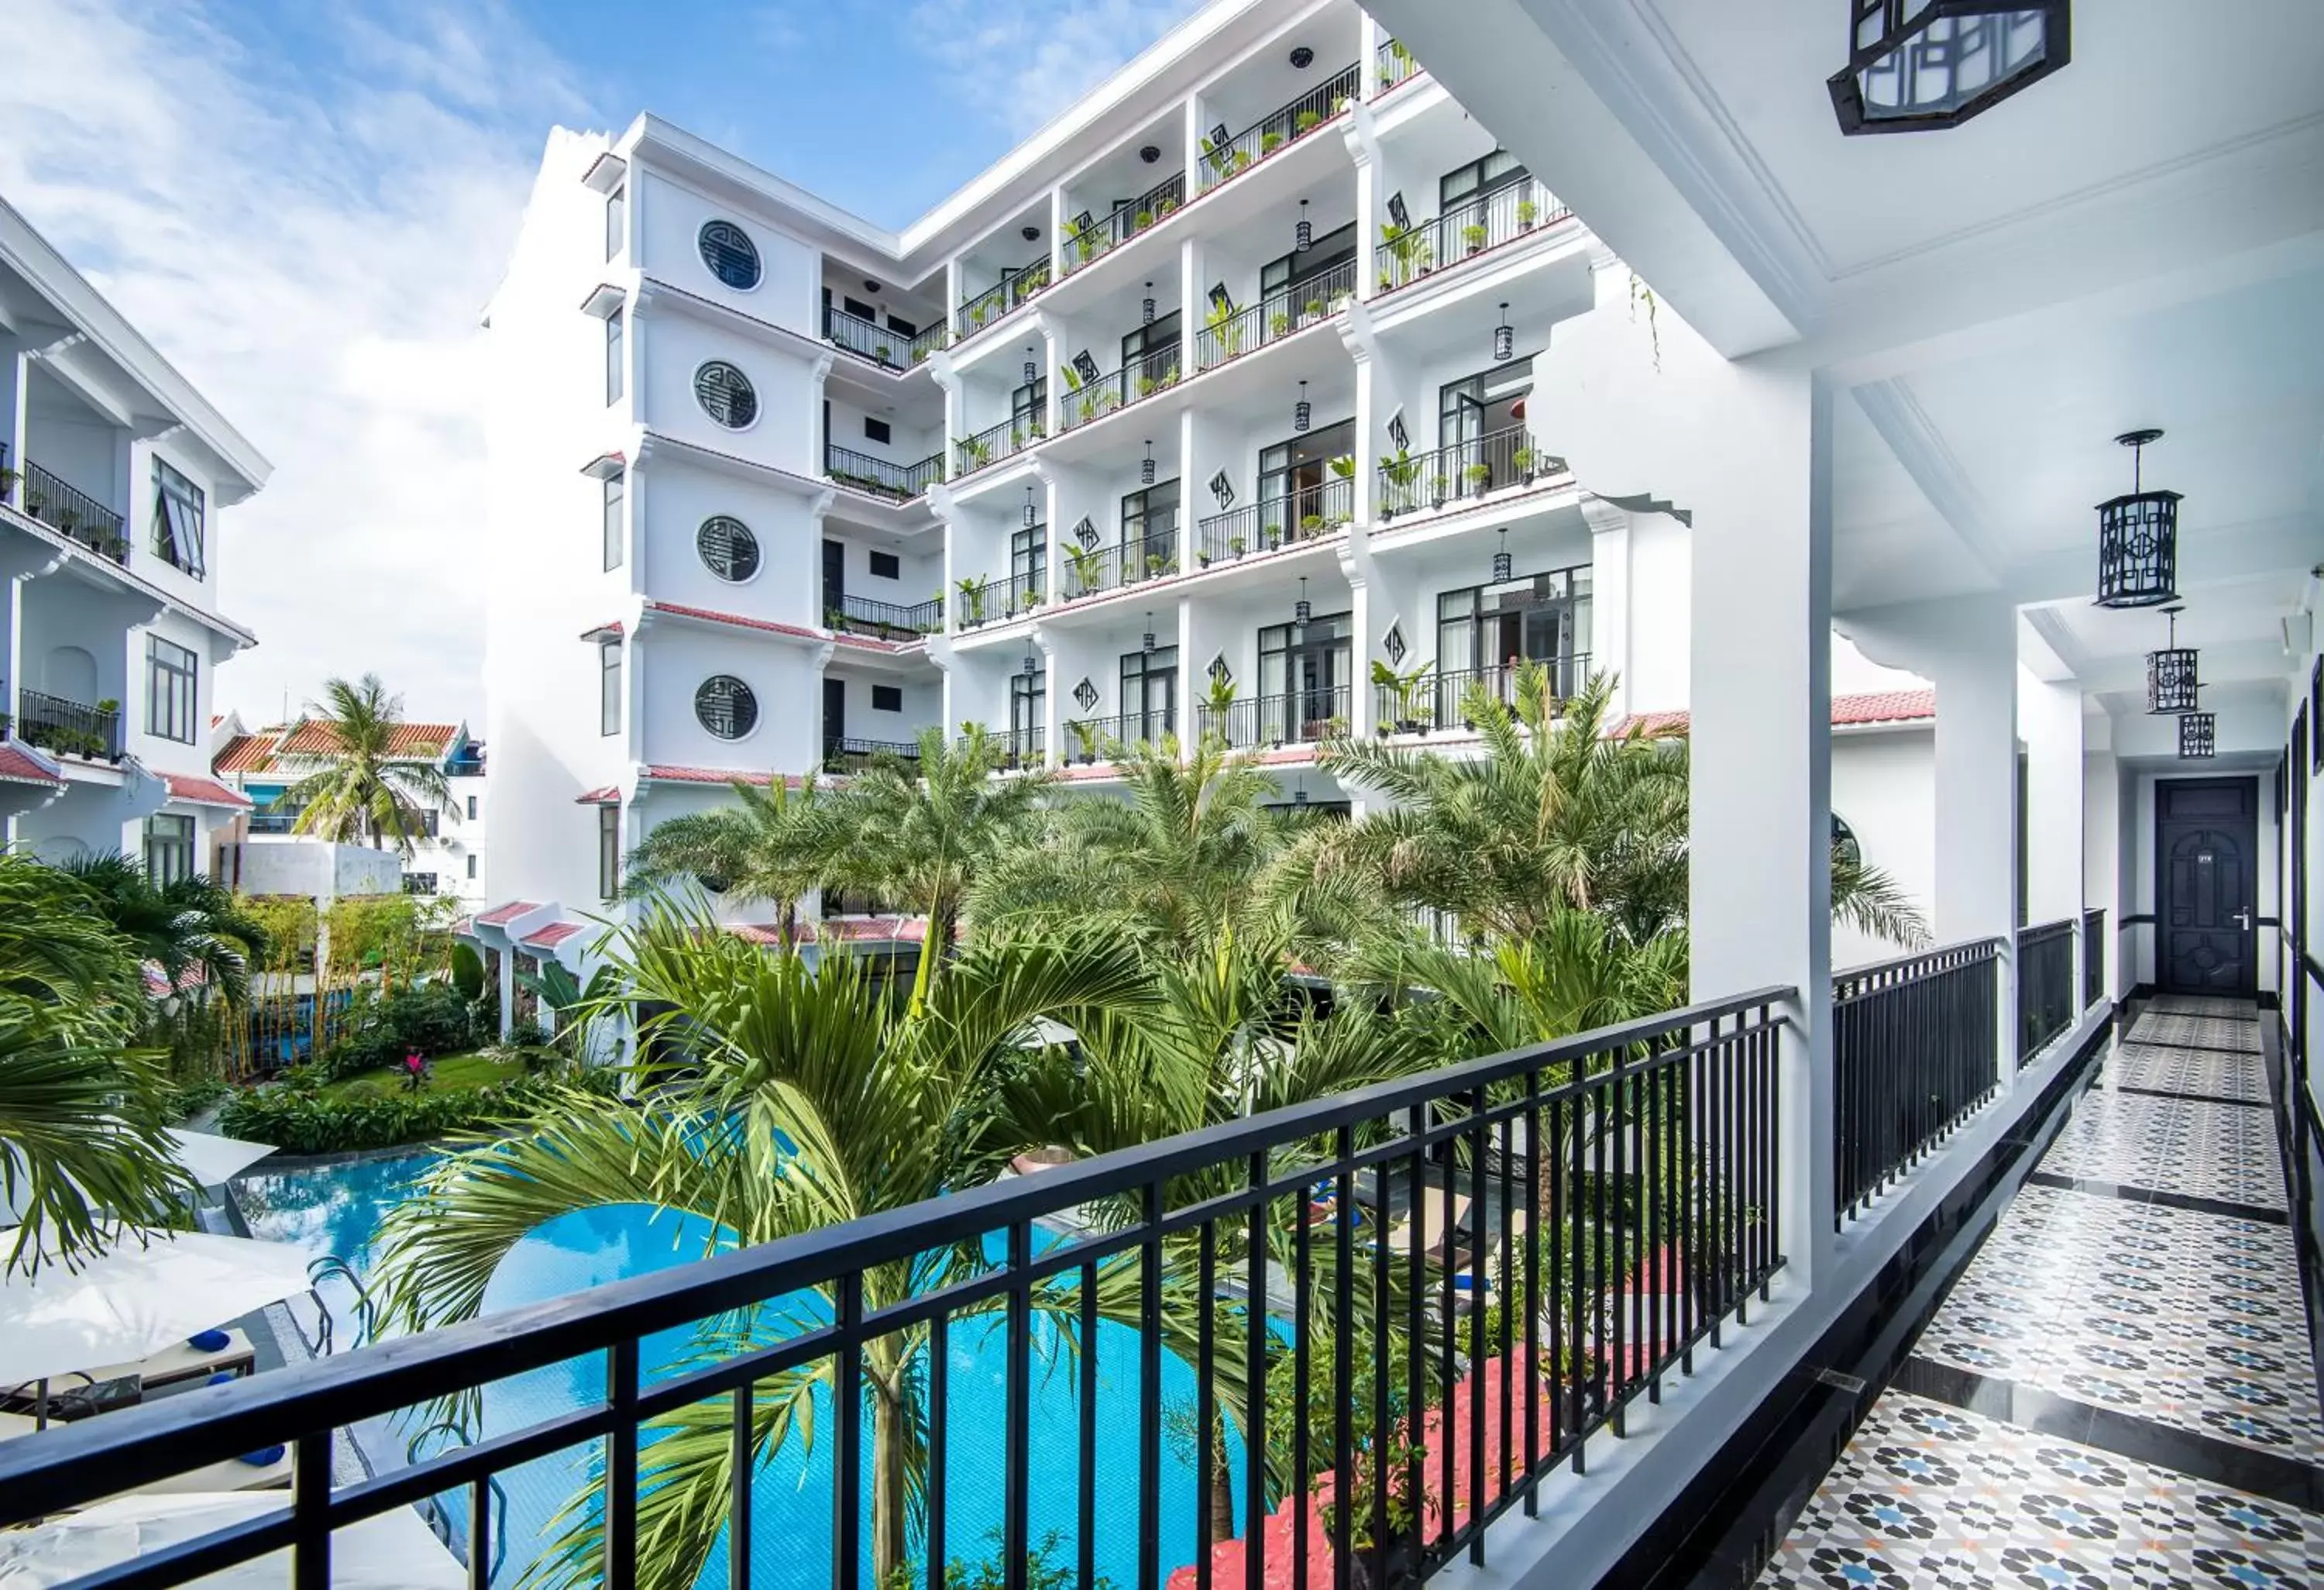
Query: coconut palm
[[193, 928], [816, 1098], [776, 844], [919, 836], [83, 1146], [367, 792]]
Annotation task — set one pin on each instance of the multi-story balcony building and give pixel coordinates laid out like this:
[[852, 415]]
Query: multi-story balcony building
[[113, 474]]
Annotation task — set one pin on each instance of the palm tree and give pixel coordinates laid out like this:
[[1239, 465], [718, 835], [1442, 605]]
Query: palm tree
[[83, 1146], [367, 792], [778, 845], [920, 838], [817, 1099], [191, 928]]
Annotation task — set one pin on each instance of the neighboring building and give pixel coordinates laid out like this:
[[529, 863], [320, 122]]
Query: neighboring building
[[1147, 412], [262, 764], [113, 472]]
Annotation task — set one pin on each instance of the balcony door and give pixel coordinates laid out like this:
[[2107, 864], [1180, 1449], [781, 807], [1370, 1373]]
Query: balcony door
[[1149, 694], [2207, 853], [1029, 699], [834, 714], [1292, 475], [834, 578], [1476, 407], [1149, 528], [1305, 674], [1484, 631], [1151, 351]]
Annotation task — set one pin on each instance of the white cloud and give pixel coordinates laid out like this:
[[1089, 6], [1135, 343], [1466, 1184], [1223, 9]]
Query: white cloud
[[1021, 62], [308, 228]]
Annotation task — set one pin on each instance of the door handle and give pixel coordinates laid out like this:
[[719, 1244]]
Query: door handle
[[2243, 918]]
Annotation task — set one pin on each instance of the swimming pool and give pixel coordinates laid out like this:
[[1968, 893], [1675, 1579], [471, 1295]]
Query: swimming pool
[[335, 1210]]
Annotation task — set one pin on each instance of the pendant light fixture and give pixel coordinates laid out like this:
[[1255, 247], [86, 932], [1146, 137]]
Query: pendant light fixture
[[2197, 739], [1031, 520], [1505, 338], [1146, 465], [1299, 792], [1032, 662], [2138, 538], [1300, 613], [1146, 310], [1913, 65], [1032, 365], [1145, 643], [1301, 413], [1303, 236], [2170, 682], [1502, 565]]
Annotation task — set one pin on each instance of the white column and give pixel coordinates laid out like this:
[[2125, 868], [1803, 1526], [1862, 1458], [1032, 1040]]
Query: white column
[[2102, 846], [1759, 900], [508, 990], [1609, 640], [2050, 722]]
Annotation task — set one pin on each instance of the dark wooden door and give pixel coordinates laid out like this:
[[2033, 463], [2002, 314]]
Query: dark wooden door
[[834, 714], [835, 579], [2207, 853]]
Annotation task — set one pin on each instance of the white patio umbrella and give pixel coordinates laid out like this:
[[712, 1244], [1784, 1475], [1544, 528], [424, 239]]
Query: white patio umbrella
[[393, 1551], [213, 1161]]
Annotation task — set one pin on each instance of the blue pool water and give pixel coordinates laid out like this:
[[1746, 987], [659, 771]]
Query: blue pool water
[[336, 1208]]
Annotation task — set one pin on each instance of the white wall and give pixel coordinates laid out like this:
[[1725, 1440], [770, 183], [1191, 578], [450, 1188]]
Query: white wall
[[666, 220], [670, 347], [674, 659], [672, 497], [1883, 784], [314, 868]]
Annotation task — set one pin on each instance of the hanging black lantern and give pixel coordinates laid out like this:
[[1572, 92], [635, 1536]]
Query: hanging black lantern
[[1505, 338], [2171, 683], [1917, 65], [2197, 735], [1032, 365], [1502, 566], [1146, 467], [1299, 795], [1031, 520], [1145, 643], [2138, 539], [1300, 613], [1303, 236], [1032, 662], [1300, 411], [1146, 310]]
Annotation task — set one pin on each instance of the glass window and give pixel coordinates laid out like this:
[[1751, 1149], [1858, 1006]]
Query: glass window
[[730, 253], [617, 209], [1149, 694], [1304, 675], [1484, 631], [609, 852], [877, 430], [1158, 344], [420, 882], [177, 520], [614, 358], [1029, 698], [1844, 850], [171, 675], [1283, 277], [1151, 517], [885, 565], [887, 698], [169, 848], [616, 487], [726, 394], [1462, 184], [609, 687], [1029, 556], [725, 706], [728, 549], [472, 867], [472, 809]]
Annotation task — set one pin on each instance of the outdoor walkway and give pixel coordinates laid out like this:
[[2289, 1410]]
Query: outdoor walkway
[[2119, 1390]]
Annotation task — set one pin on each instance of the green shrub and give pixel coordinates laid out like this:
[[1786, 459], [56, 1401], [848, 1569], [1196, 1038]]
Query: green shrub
[[467, 971], [293, 1114], [431, 1018]]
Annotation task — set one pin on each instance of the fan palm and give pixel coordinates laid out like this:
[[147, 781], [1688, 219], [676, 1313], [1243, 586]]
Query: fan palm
[[816, 1099], [83, 1145], [779, 844], [193, 928], [366, 792]]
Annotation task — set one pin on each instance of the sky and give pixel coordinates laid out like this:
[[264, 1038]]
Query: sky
[[305, 208]]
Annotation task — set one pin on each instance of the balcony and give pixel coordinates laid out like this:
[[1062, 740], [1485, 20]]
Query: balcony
[[72, 512], [1394, 66], [1298, 717], [886, 621], [1135, 380], [1499, 461], [1226, 337], [1428, 701], [1466, 232], [1272, 524], [69, 728], [866, 339], [995, 444], [846, 754], [1086, 243], [879, 478], [1090, 571], [1102, 739], [1004, 298], [996, 601], [1226, 156], [1019, 749]]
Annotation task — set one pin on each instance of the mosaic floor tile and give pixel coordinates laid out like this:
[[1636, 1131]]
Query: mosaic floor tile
[[2202, 1004], [2226, 1152], [2159, 1069], [2197, 1031]]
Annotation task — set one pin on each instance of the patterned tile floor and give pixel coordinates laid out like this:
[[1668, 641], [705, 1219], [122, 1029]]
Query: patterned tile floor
[[2118, 1389]]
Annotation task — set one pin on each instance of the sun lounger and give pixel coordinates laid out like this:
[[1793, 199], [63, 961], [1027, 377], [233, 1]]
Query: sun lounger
[[233, 1474], [184, 1361], [1439, 1217], [1467, 1287], [17, 1424]]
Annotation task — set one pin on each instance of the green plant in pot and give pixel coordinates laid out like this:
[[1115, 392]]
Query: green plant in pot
[[972, 601], [1439, 488], [1142, 219], [1307, 121], [1221, 695], [1475, 236], [1311, 524], [1087, 563], [1344, 467], [1479, 476], [1405, 687], [1225, 330], [1269, 142], [1085, 738], [1237, 545], [1314, 308], [1529, 212], [1521, 461], [1279, 323]]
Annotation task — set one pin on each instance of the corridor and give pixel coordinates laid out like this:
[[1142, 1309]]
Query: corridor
[[2119, 1390]]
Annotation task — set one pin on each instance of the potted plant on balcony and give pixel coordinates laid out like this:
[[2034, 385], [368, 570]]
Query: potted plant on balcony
[[1312, 311], [1522, 461], [1219, 157], [1164, 208], [8, 478], [1404, 686], [1439, 488], [1479, 476], [1085, 738], [972, 602], [1402, 472], [1529, 212], [1310, 526], [1088, 566], [1475, 236], [975, 453], [1226, 331], [1270, 141], [35, 501], [1237, 545], [1279, 323], [1307, 121], [1218, 701]]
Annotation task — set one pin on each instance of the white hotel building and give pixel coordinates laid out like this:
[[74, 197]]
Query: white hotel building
[[1154, 410], [113, 471]]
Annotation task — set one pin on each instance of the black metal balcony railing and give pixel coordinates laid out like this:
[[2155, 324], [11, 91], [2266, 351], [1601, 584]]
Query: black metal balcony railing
[[1271, 523], [68, 728], [66, 508], [1296, 717], [886, 621], [1011, 292], [846, 754], [1275, 316], [880, 476], [1280, 127], [2094, 957], [1465, 231], [1302, 1240], [1106, 234], [940, 334], [1016, 749], [1496, 461], [866, 339], [1396, 65], [994, 443], [1444, 700], [1912, 1054], [2046, 985], [1098, 739], [1140, 378], [1124, 563], [998, 600]]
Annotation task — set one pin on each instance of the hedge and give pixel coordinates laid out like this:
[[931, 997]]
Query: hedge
[[294, 1117]]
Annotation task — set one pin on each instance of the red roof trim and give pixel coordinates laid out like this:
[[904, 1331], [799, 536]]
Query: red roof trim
[[734, 619], [501, 916], [611, 795], [553, 935], [203, 791], [20, 766], [676, 774], [1876, 707]]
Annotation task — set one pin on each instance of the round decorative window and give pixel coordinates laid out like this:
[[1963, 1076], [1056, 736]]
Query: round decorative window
[[1844, 850], [730, 253], [726, 394], [728, 549], [725, 706]]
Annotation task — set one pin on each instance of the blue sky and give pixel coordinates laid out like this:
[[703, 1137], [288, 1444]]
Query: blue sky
[[304, 207]]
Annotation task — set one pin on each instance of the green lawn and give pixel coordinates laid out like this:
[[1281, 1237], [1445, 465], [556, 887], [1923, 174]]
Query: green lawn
[[449, 1073]]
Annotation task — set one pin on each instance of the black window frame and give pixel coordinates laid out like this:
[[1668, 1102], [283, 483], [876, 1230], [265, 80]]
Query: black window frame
[[879, 431], [1029, 556], [1028, 703], [738, 536], [887, 698], [1284, 276], [885, 566], [178, 536], [710, 398], [420, 882], [609, 687], [471, 869], [1481, 183], [617, 487], [179, 844], [173, 692], [609, 852], [732, 247]]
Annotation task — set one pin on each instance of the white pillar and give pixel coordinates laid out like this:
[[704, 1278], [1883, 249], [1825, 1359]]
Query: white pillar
[[508, 990], [2102, 848], [1610, 596], [1759, 900], [2050, 722]]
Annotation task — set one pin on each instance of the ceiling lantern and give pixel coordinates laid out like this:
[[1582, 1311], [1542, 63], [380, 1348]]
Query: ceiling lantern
[[1032, 365], [1922, 65], [1505, 338], [1146, 641], [1032, 662], [1300, 613], [1146, 309], [2171, 683], [1301, 413], [2138, 539], [1146, 465], [1303, 236], [1030, 521], [2197, 737], [1502, 565]]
